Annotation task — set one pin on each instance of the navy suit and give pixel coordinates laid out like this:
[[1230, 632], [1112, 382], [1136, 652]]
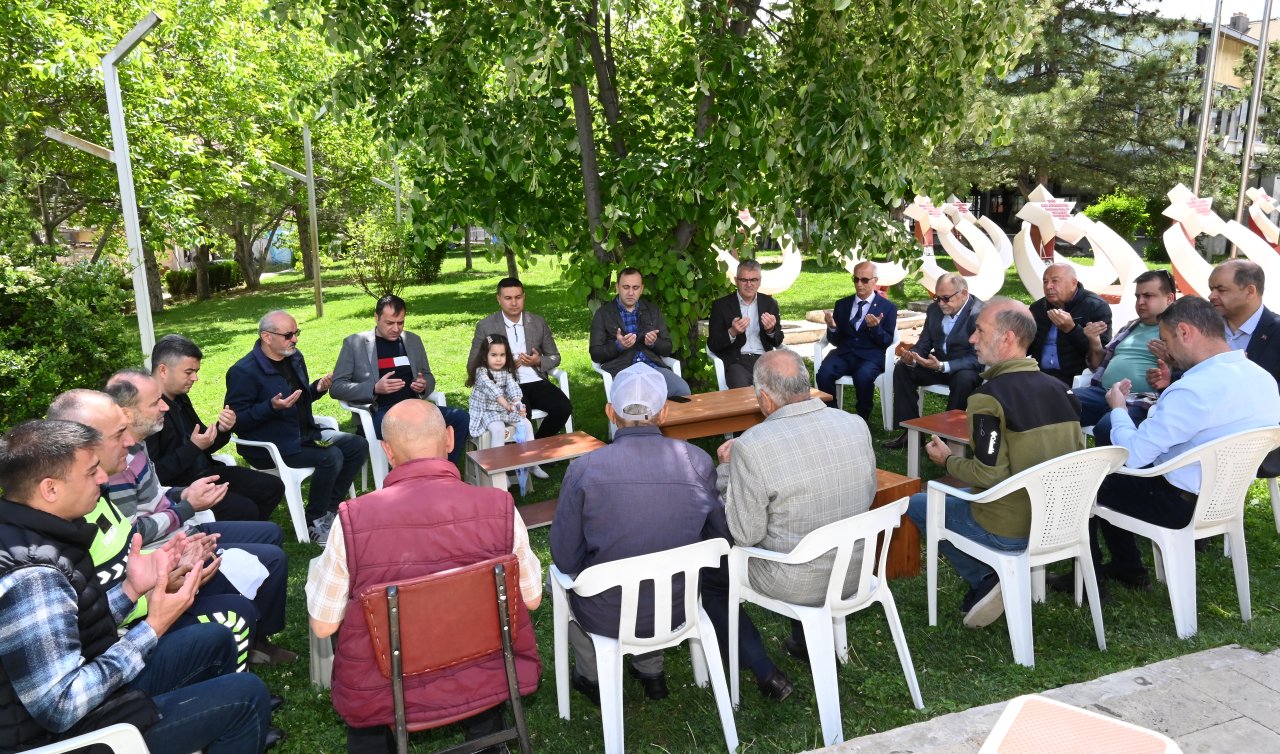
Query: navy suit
[[858, 353], [1264, 350], [962, 367]]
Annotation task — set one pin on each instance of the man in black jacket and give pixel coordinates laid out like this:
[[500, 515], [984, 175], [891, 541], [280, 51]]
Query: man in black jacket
[[744, 326], [629, 330], [183, 449], [1061, 346]]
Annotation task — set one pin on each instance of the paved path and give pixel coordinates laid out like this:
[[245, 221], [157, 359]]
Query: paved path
[[1220, 700]]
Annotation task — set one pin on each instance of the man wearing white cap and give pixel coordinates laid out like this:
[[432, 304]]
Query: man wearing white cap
[[641, 494]]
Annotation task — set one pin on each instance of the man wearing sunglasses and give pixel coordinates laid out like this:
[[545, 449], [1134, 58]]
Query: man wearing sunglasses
[[861, 327], [271, 394], [744, 326], [942, 356]]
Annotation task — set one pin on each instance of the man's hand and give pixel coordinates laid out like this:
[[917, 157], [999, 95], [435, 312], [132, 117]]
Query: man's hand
[[194, 549], [204, 493], [1094, 330], [1158, 349], [725, 450], [929, 362], [938, 451], [324, 382], [1160, 375], [226, 419], [909, 358], [203, 440], [651, 337], [387, 384], [419, 384], [768, 321], [531, 359], [1117, 396], [626, 340], [280, 403], [830, 318], [739, 325], [163, 607], [143, 571], [1062, 320], [871, 320]]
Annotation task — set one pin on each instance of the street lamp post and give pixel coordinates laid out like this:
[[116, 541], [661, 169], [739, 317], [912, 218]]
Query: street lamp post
[[1255, 102], [1210, 64]]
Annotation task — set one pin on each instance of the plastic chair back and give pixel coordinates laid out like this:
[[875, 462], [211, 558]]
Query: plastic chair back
[[850, 537], [119, 738], [1062, 493], [1227, 467]]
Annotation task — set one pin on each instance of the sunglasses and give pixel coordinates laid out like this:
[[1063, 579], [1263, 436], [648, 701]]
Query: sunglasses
[[748, 280], [864, 281], [287, 335], [946, 299]]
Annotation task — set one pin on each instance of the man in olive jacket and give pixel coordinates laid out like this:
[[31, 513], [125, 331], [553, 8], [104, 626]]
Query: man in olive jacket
[[1020, 417]]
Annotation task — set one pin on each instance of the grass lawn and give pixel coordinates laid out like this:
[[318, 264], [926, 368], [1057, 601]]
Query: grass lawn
[[957, 668]]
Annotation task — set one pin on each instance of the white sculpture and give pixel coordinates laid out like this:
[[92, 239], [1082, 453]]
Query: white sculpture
[[772, 281], [1050, 216]]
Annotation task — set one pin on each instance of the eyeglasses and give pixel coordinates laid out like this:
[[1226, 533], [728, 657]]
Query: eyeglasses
[[946, 299], [864, 281], [754, 281], [287, 335]]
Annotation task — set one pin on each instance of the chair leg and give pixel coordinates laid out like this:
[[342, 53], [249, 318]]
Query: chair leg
[[297, 509], [1037, 584], [1086, 573], [1273, 486], [609, 663], [735, 685], [710, 649], [817, 635], [931, 561], [841, 633], [699, 660], [1240, 564], [560, 608], [1015, 587], [1180, 573], [900, 643]]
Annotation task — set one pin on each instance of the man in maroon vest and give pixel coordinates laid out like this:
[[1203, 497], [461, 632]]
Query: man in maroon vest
[[424, 520]]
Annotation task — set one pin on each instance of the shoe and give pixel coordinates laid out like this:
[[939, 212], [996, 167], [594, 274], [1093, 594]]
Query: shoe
[[538, 473], [655, 686], [266, 653], [1139, 580], [589, 689], [776, 686], [988, 604], [274, 736], [1066, 584], [277, 702], [897, 443], [796, 649], [320, 529]]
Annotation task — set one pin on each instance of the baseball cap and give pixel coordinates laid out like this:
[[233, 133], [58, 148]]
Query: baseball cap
[[638, 392]]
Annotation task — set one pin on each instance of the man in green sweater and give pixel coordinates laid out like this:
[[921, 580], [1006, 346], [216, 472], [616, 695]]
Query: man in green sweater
[[1020, 417]]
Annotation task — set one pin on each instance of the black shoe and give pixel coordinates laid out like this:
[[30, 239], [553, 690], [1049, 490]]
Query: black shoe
[[776, 686], [589, 689], [1139, 580], [897, 443], [796, 649], [1066, 584], [655, 686], [988, 603], [277, 702], [274, 736]]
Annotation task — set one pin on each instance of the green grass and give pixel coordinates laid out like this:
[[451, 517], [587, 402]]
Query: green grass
[[957, 668]]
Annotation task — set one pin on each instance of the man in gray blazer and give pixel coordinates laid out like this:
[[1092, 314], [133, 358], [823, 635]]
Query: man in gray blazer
[[535, 351], [388, 364], [942, 356], [804, 467], [629, 330]]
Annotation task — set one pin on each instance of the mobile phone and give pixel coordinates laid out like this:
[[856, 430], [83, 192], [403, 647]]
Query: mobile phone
[[679, 399]]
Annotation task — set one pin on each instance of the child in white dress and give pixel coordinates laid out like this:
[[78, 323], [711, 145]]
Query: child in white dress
[[495, 393]]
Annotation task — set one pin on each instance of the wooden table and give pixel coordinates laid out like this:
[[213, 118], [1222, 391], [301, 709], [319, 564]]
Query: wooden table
[[951, 426], [717, 413], [904, 548], [494, 463]]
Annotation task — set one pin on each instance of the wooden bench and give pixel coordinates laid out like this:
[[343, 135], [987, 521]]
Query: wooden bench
[[489, 467]]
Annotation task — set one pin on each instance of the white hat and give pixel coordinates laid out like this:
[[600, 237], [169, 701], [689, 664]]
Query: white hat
[[638, 392]]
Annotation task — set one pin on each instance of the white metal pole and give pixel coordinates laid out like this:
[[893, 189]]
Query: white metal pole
[[1206, 104], [1255, 101], [395, 171], [124, 174], [311, 219]]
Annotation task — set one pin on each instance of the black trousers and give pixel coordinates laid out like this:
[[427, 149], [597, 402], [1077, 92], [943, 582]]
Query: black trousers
[[381, 739], [1150, 499], [907, 381], [739, 373], [251, 494], [546, 396]]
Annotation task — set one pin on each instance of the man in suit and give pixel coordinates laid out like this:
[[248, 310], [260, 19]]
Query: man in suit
[[744, 326], [861, 328], [942, 356], [388, 364], [1061, 345], [1235, 290], [803, 467], [630, 330], [535, 351]]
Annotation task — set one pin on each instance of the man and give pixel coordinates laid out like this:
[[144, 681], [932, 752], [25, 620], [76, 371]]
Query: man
[[66, 671], [1235, 290], [159, 513], [942, 356], [630, 330], [803, 467], [424, 520], [1018, 418], [182, 451], [272, 396], [1129, 356], [861, 328], [1190, 413], [535, 351], [1061, 345], [645, 493], [743, 326], [388, 364]]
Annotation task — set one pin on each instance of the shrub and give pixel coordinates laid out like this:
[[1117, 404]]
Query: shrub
[[1132, 216], [425, 255], [377, 244], [223, 276]]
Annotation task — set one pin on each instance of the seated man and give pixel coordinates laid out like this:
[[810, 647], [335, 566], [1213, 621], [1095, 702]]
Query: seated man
[[1061, 345], [271, 394], [388, 364], [183, 449], [423, 507], [800, 469], [860, 336], [942, 356], [1129, 356], [1018, 418], [630, 330], [1190, 413], [743, 326], [640, 494], [66, 670]]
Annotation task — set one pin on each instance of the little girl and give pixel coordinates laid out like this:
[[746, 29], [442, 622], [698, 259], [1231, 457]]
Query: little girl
[[495, 393]]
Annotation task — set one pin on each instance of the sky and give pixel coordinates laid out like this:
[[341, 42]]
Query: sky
[[1203, 9]]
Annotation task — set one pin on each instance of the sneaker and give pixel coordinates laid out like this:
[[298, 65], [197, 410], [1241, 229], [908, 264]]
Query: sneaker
[[538, 473], [320, 529], [988, 604]]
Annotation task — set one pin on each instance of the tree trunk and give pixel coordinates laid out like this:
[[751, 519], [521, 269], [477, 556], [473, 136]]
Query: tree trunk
[[605, 90], [304, 241], [202, 273], [103, 238], [245, 258], [155, 284], [590, 170], [512, 270], [466, 246]]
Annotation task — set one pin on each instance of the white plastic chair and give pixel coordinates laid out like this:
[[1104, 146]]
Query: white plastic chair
[[884, 383], [1062, 490], [1031, 724], [671, 363], [120, 738], [824, 625], [1228, 466], [659, 568], [293, 477], [377, 456], [719, 365], [1083, 380]]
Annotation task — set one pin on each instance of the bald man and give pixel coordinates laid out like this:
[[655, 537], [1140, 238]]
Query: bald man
[[1061, 345], [424, 520]]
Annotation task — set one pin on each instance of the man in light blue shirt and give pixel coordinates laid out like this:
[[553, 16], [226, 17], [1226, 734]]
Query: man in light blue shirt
[[1190, 413]]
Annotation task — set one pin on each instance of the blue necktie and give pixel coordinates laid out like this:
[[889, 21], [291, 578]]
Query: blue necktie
[[857, 316]]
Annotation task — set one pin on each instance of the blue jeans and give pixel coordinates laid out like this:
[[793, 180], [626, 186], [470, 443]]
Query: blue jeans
[[204, 703], [1095, 412], [457, 418], [960, 521], [337, 466]]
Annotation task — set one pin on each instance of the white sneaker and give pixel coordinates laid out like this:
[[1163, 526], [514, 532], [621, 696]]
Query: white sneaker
[[320, 529], [538, 473]]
